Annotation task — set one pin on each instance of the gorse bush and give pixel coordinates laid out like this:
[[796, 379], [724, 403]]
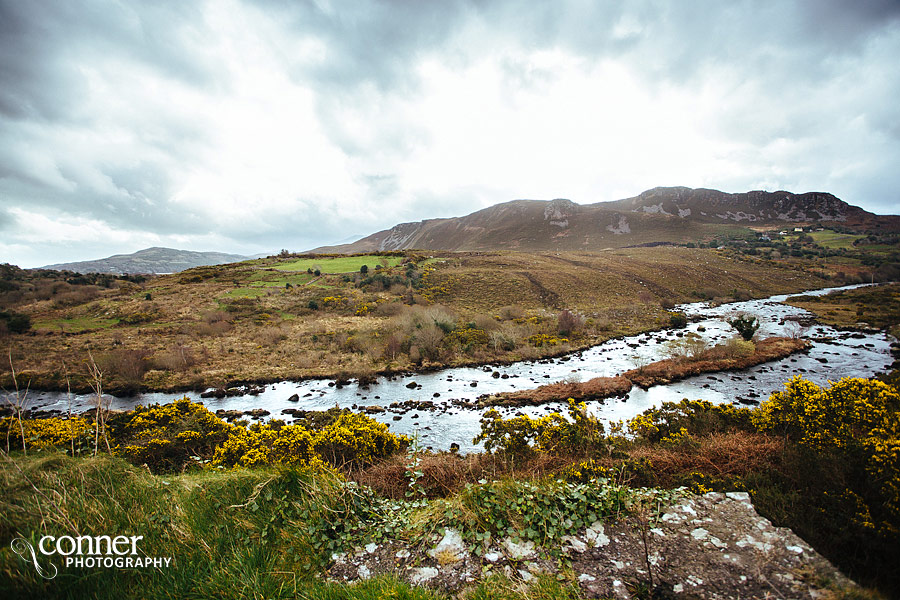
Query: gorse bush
[[49, 434], [847, 414], [857, 420], [168, 437], [522, 436], [697, 417], [184, 434]]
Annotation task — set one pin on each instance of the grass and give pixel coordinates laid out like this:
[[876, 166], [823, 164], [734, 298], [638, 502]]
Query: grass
[[226, 532], [341, 264], [247, 292], [832, 239], [74, 324], [876, 306]]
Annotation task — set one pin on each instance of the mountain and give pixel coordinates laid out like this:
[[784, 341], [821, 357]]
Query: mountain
[[660, 215], [150, 260]]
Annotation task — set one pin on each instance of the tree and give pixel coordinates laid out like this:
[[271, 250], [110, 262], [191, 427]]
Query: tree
[[364, 270], [745, 325]]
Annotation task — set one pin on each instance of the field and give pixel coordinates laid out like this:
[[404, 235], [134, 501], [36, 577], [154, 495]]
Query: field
[[339, 264], [262, 321], [832, 239]]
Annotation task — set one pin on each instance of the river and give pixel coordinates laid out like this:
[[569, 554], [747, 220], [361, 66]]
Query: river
[[834, 354]]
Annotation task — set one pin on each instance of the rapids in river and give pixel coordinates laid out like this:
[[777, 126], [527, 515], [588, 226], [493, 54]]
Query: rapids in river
[[834, 354]]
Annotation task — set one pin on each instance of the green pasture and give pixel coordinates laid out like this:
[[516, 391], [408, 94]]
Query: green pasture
[[339, 264], [832, 239]]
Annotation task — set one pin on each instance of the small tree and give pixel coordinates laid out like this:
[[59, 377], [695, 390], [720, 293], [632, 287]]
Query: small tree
[[364, 270], [745, 325]]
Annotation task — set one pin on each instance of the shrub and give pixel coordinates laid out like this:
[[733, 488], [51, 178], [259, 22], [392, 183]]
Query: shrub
[[512, 312], [52, 433], [522, 435], [354, 439], [179, 358], [466, 339], [847, 414], [15, 322], [745, 325], [215, 328], [567, 322], [126, 365], [697, 417], [506, 338], [266, 444], [689, 347], [737, 348], [678, 320]]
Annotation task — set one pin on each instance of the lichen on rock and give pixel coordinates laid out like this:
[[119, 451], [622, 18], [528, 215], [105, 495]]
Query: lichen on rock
[[710, 546]]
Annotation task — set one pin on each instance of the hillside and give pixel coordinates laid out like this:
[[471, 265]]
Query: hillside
[[660, 215], [277, 318], [150, 260]]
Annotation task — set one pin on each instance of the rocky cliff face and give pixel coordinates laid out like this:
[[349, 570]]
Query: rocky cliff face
[[749, 207], [709, 546]]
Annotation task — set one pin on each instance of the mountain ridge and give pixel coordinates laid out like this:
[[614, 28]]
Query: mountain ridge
[[658, 215], [149, 261]]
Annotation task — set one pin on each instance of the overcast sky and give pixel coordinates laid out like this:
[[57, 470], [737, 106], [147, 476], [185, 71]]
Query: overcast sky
[[248, 127]]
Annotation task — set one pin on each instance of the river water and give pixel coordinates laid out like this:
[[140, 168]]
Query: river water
[[834, 354]]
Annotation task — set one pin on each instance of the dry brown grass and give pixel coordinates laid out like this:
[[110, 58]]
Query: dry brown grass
[[717, 454], [669, 370], [447, 473], [593, 389]]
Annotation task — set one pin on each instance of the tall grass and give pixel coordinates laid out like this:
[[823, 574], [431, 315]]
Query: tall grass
[[231, 534]]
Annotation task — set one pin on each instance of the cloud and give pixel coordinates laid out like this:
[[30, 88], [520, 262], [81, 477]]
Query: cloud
[[260, 125]]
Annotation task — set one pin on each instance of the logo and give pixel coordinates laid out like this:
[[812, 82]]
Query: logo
[[25, 551], [85, 551]]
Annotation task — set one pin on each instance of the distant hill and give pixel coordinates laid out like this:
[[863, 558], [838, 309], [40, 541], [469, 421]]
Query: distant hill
[[150, 260], [660, 215]]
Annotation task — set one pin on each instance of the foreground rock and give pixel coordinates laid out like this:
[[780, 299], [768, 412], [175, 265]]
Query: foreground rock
[[710, 546]]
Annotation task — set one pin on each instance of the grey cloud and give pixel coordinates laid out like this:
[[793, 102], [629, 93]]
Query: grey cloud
[[374, 42], [43, 44], [788, 61]]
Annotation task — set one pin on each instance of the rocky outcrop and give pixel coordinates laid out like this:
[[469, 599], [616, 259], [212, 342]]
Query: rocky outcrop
[[709, 546]]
